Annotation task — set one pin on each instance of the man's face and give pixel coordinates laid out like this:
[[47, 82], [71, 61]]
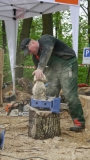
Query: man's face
[[33, 47]]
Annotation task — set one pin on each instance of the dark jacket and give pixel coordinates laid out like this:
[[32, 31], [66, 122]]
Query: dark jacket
[[49, 46]]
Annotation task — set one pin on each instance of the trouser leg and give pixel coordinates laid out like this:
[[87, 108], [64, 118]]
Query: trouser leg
[[69, 84], [63, 74], [53, 87]]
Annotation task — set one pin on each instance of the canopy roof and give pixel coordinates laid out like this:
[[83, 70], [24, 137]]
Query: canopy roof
[[13, 10]]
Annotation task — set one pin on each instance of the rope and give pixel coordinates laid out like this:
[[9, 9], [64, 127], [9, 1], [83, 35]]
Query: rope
[[25, 67]]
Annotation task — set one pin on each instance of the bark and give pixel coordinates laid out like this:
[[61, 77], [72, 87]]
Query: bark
[[4, 36], [47, 24], [43, 124]]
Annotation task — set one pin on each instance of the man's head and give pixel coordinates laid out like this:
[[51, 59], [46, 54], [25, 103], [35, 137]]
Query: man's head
[[24, 45], [30, 46]]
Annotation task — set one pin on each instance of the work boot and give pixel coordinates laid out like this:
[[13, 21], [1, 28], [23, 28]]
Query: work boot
[[78, 126]]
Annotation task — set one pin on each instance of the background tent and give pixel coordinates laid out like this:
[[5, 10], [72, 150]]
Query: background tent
[[13, 10]]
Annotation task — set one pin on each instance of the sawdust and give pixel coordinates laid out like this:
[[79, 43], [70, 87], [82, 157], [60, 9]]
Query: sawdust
[[18, 146]]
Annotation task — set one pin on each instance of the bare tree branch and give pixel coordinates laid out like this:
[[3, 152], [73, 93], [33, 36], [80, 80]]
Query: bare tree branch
[[84, 9]]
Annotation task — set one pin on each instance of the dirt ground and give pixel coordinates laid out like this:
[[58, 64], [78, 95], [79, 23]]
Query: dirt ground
[[18, 146]]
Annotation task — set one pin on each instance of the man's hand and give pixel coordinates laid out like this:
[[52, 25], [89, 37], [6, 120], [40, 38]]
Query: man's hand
[[38, 74]]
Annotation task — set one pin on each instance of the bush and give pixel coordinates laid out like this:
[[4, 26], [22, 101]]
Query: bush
[[82, 74], [28, 71]]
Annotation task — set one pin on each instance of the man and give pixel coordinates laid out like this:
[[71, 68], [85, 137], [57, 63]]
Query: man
[[63, 68]]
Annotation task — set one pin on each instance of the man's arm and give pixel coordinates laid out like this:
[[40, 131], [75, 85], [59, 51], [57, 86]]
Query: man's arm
[[45, 54], [44, 58]]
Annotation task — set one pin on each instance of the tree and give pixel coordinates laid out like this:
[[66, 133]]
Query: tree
[[57, 25], [47, 22], [4, 37], [87, 12], [25, 26]]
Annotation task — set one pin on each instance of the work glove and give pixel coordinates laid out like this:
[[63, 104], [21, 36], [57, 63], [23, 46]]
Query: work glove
[[38, 74]]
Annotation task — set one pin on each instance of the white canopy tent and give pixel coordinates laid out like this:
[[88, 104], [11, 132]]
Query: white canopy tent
[[13, 10]]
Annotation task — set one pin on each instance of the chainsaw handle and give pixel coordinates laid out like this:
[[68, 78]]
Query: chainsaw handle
[[25, 102], [15, 103], [13, 107], [19, 105]]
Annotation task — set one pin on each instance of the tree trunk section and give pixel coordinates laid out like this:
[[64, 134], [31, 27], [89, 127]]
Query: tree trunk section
[[85, 101], [43, 124], [47, 24], [4, 36]]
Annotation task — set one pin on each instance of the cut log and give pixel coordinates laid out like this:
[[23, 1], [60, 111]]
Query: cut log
[[84, 91], [43, 124], [85, 101], [26, 84]]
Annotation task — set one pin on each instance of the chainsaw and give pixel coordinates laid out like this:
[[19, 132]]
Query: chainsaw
[[16, 105]]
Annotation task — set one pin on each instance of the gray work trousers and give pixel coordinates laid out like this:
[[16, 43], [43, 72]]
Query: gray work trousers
[[62, 74]]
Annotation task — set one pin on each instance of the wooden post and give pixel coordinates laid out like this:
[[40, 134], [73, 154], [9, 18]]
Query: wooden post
[[43, 124], [1, 74]]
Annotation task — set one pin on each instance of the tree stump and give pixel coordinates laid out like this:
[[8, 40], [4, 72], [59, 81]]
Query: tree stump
[[26, 84], [85, 101], [43, 124]]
